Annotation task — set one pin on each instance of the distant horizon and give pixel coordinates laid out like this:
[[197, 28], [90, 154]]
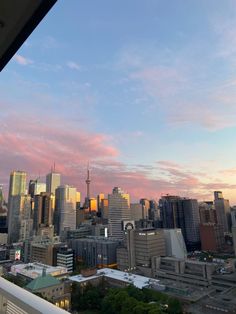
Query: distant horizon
[[146, 91], [95, 194]]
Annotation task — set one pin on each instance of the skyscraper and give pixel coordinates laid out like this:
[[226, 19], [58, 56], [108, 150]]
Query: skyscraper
[[177, 212], [17, 184], [53, 180], [119, 211], [65, 209], [20, 223], [222, 208], [44, 205], [17, 188]]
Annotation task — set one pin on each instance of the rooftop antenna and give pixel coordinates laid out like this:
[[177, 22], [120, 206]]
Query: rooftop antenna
[[54, 166]]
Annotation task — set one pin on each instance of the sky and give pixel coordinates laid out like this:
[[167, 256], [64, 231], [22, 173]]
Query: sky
[[145, 91]]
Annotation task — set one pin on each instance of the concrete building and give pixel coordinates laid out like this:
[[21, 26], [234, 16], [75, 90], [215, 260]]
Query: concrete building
[[174, 243], [53, 181], [119, 210], [95, 251], [222, 210], [212, 237], [148, 243], [65, 209], [43, 250], [183, 270]]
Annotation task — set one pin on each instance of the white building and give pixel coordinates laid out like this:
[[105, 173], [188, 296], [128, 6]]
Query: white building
[[175, 244], [119, 211]]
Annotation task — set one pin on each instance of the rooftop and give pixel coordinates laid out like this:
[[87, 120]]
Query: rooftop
[[137, 280], [34, 270], [42, 282]]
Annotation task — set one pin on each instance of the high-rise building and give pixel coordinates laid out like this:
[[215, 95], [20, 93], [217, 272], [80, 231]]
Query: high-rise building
[[145, 208], [119, 211], [104, 208], [65, 209], [212, 237], [17, 188], [100, 197], [207, 212], [222, 208], [44, 205], [183, 213], [147, 244], [36, 187], [17, 184], [53, 180], [20, 224], [136, 211]]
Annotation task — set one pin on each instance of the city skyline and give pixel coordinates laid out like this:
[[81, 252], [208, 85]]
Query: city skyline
[[144, 91]]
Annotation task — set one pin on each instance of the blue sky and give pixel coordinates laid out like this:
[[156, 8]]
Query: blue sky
[[144, 90]]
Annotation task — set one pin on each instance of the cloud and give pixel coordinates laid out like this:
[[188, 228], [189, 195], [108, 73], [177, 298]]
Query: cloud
[[73, 65], [22, 60]]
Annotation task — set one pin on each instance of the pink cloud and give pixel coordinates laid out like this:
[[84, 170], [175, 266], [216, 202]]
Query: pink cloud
[[22, 60]]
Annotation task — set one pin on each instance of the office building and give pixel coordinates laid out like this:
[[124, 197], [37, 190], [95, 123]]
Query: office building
[[17, 187], [95, 251], [136, 211], [183, 213], [119, 211], [222, 208], [36, 187], [191, 223], [207, 212], [44, 205], [53, 181], [145, 208], [104, 208], [65, 258], [148, 243], [20, 224], [100, 197], [65, 209], [43, 250], [212, 237]]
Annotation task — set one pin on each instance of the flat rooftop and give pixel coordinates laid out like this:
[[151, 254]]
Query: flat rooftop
[[137, 280], [33, 270]]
